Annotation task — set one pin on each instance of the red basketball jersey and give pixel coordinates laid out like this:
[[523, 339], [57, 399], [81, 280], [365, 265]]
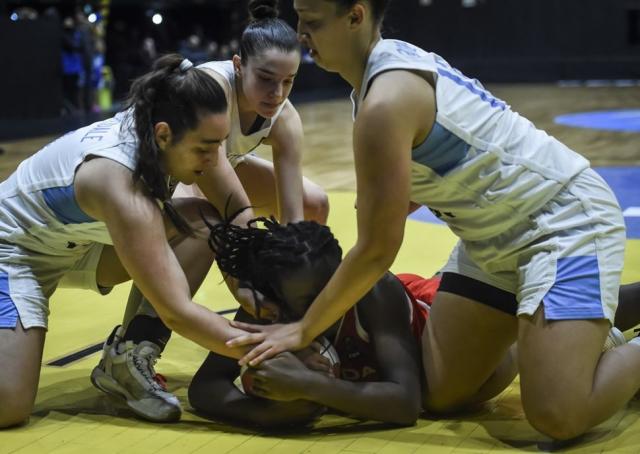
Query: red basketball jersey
[[358, 360]]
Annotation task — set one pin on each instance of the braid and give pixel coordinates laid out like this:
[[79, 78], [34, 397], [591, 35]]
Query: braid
[[257, 255]]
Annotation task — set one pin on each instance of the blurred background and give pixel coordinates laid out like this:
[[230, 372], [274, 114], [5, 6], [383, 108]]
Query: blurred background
[[66, 62]]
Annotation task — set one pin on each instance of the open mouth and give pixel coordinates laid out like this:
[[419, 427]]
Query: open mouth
[[198, 172]]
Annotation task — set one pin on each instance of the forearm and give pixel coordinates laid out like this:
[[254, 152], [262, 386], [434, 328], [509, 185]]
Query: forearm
[[205, 328], [264, 413], [289, 190], [379, 401]]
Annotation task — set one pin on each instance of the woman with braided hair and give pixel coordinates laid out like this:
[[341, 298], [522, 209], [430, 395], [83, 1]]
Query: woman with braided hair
[[378, 340], [92, 209]]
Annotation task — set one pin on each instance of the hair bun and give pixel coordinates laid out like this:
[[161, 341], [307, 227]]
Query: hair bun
[[263, 9]]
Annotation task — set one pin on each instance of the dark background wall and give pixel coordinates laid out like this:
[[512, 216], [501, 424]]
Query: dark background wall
[[494, 41], [30, 76], [524, 41]]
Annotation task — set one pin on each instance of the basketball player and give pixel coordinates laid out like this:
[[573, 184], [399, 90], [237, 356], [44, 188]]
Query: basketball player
[[92, 209], [257, 84], [541, 234], [378, 340]]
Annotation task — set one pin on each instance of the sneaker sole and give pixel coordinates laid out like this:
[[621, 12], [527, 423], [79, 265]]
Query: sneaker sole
[[109, 386]]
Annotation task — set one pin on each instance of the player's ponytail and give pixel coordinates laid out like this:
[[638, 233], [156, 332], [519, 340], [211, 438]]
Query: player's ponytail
[[176, 93]]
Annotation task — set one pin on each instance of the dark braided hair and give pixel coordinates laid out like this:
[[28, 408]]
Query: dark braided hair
[[180, 97], [258, 256], [266, 31]]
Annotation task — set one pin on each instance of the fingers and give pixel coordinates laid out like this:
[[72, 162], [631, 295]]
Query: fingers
[[247, 339], [258, 354], [249, 327]]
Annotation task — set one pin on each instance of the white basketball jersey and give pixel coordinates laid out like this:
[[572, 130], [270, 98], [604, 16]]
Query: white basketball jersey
[[239, 144], [483, 168], [38, 208]]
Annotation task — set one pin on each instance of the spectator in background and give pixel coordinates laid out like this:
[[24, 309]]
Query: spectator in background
[[193, 48], [71, 65], [86, 48]]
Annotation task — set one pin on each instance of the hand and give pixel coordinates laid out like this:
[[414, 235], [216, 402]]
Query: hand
[[251, 299], [283, 377], [312, 357], [271, 340]]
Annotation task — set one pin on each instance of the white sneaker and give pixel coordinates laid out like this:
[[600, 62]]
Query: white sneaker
[[126, 371], [615, 338]]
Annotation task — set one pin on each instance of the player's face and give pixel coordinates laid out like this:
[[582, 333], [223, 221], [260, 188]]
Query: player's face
[[267, 79], [298, 288], [323, 30], [197, 150]]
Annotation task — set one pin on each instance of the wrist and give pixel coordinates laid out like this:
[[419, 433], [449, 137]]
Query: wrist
[[314, 383], [304, 331]]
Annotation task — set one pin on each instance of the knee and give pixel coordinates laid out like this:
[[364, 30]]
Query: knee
[[316, 206], [554, 421], [14, 412], [439, 403]]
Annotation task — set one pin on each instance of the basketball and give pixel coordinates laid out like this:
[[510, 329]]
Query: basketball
[[329, 352], [244, 382]]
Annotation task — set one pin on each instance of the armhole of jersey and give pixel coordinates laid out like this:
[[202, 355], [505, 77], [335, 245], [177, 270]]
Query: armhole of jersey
[[431, 77]]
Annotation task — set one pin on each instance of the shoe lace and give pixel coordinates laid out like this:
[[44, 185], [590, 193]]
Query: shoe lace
[[145, 363]]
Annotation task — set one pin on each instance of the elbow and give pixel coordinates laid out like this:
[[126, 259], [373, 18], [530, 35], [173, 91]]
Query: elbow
[[292, 415], [379, 255], [172, 322], [172, 319], [406, 413]]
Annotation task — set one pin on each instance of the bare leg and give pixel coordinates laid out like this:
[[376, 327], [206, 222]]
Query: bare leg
[[258, 179], [463, 344], [567, 384], [20, 357]]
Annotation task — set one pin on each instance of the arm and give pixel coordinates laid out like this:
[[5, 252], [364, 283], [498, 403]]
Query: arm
[[105, 190], [398, 112], [220, 184], [286, 143], [395, 398], [213, 393]]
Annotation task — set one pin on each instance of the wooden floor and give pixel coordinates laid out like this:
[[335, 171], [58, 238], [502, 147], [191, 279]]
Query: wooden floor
[[71, 416]]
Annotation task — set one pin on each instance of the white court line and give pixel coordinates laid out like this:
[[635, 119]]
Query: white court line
[[632, 212]]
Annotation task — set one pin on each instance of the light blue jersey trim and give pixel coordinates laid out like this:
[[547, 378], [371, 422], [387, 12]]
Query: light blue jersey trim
[[469, 85], [8, 311], [576, 291], [62, 201], [441, 151]]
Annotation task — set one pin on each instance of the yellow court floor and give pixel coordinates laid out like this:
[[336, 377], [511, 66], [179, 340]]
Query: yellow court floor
[[72, 416]]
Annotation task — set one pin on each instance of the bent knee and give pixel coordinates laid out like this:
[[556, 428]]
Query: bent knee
[[14, 412], [554, 422], [442, 403], [316, 206]]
